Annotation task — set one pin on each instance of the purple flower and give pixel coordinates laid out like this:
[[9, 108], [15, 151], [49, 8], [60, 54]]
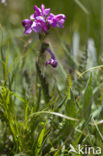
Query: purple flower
[[41, 12], [27, 24], [56, 20], [37, 11], [52, 61], [42, 22], [45, 12], [36, 27]]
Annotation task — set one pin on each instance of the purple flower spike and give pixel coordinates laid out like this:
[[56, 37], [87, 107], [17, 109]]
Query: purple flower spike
[[27, 24], [52, 61], [42, 20]]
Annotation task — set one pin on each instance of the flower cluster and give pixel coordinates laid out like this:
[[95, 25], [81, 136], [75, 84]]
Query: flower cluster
[[42, 20]]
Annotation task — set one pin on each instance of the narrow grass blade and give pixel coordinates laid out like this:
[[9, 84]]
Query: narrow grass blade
[[17, 96], [54, 113], [90, 69], [82, 7], [40, 140], [6, 61], [101, 136]]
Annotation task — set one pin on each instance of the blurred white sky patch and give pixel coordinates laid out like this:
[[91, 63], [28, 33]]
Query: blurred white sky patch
[[3, 2], [75, 45], [92, 55]]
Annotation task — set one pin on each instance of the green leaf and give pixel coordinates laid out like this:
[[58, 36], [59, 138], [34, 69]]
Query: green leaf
[[68, 86], [6, 61], [40, 141], [71, 109], [86, 100], [57, 153]]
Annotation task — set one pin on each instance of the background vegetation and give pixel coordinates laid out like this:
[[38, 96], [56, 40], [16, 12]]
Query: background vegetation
[[42, 114]]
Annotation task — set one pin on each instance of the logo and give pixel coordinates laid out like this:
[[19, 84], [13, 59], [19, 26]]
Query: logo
[[84, 149]]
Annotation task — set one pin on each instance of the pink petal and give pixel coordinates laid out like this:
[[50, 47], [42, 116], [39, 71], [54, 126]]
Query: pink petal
[[32, 17], [28, 31]]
